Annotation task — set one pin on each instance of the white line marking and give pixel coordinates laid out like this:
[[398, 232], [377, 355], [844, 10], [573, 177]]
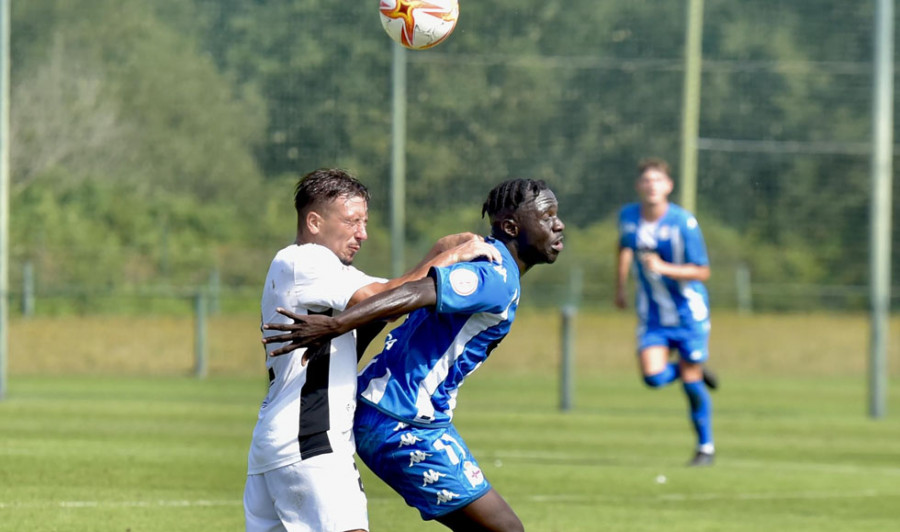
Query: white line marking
[[683, 497], [116, 504], [779, 465]]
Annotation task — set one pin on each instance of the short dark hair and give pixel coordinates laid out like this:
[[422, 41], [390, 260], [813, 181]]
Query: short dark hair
[[654, 163], [509, 195], [325, 184]]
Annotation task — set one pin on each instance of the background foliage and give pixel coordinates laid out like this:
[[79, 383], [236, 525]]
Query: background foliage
[[156, 142]]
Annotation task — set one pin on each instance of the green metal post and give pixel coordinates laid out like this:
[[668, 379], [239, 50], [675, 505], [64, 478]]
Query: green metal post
[[690, 105], [880, 239], [4, 192], [568, 358], [200, 355], [398, 160]]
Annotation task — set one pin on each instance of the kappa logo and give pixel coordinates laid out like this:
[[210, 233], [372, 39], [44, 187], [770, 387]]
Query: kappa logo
[[696, 355], [408, 439], [431, 476], [463, 281], [473, 473], [400, 426], [501, 270], [389, 342], [416, 457], [446, 496]]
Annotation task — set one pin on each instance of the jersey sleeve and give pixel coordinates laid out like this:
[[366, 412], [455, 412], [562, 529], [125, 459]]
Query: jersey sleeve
[[694, 245], [322, 282], [470, 287], [626, 227]]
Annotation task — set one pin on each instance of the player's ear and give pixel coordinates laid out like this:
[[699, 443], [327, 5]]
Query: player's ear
[[510, 227], [314, 222]]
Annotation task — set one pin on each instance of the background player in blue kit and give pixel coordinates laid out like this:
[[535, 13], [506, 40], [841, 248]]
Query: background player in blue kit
[[459, 314], [672, 302]]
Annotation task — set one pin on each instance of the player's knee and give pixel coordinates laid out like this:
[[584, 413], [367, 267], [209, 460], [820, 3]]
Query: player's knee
[[656, 381]]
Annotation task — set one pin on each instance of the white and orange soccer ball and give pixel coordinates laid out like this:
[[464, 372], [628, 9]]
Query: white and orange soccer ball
[[419, 24]]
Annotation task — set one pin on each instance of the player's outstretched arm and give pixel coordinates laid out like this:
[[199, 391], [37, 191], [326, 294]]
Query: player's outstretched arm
[[315, 329], [460, 247]]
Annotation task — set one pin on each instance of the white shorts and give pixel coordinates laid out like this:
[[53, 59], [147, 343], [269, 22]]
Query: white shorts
[[321, 494]]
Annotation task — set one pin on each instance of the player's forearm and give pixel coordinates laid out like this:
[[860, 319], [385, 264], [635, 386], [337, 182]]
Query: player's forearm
[[684, 272], [388, 304], [623, 267]]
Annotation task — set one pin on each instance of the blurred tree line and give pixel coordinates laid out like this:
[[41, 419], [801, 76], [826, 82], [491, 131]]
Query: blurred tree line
[[154, 142]]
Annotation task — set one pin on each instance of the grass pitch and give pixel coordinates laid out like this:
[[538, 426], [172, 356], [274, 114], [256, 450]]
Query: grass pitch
[[168, 454]]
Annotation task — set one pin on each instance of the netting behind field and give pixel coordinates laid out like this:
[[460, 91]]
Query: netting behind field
[[203, 113]]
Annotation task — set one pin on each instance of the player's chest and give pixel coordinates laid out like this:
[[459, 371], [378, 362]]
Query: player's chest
[[660, 237]]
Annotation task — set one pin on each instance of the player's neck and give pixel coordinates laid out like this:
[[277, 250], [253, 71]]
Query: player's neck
[[654, 212]]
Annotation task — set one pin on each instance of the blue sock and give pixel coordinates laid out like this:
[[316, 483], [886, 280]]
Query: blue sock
[[701, 410], [664, 377]]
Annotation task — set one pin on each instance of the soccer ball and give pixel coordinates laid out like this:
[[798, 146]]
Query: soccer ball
[[419, 24]]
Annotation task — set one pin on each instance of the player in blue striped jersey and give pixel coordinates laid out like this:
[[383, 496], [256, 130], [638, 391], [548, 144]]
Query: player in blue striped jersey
[[458, 315], [672, 302]]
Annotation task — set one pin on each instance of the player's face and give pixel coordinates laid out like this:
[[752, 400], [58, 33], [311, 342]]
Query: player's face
[[653, 187], [540, 229], [343, 227]]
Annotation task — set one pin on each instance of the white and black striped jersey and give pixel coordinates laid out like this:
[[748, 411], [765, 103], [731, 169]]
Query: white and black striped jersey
[[309, 408]]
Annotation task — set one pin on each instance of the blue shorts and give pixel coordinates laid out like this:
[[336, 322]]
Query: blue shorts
[[692, 344], [430, 467]]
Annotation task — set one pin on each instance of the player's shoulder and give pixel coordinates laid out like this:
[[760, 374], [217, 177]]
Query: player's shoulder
[[683, 216], [312, 254], [630, 211], [308, 261]]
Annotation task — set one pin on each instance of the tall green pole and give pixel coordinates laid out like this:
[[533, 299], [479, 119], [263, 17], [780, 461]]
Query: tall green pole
[[398, 160], [882, 169], [4, 193], [690, 105]]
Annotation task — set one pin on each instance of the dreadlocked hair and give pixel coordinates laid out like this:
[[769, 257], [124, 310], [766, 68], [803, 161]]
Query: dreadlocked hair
[[509, 195]]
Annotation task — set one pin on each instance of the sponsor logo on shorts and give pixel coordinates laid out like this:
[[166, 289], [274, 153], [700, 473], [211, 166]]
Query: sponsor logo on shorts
[[446, 496], [463, 281], [416, 457], [431, 476], [408, 439]]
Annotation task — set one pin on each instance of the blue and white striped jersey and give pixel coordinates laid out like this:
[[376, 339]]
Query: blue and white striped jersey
[[676, 238], [424, 361]]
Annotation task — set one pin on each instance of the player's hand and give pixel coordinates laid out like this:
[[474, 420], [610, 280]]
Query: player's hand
[[620, 300], [475, 248], [651, 262], [306, 331], [451, 241]]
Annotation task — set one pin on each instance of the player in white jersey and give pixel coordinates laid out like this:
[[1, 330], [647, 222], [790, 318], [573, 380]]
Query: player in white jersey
[[672, 302], [301, 472], [458, 315]]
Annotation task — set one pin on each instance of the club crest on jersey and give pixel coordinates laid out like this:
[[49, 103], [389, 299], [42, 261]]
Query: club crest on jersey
[[473, 473], [463, 281], [664, 232]]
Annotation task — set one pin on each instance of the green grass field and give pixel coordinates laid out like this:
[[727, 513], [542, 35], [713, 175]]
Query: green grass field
[[797, 452]]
